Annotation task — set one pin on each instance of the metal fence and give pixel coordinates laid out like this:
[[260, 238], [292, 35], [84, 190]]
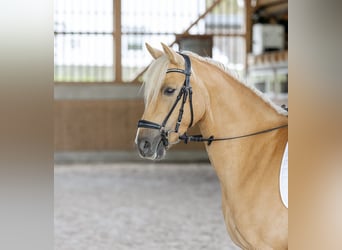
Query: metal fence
[[103, 40]]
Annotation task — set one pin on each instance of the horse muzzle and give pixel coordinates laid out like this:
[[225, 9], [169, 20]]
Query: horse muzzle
[[150, 144]]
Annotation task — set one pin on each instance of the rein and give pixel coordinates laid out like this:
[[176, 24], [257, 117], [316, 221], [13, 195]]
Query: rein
[[199, 138], [186, 92]]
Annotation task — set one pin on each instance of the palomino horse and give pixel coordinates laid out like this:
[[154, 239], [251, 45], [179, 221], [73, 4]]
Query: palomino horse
[[244, 133]]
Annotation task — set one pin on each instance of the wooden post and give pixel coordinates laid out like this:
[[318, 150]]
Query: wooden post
[[248, 31], [117, 40]]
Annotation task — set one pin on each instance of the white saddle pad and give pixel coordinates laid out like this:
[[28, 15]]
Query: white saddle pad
[[284, 177]]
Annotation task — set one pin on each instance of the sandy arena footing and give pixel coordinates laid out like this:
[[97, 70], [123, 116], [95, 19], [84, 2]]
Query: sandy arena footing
[[138, 206]]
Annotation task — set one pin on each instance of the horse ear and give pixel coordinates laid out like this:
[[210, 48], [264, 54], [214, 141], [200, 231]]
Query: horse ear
[[155, 53], [173, 56]]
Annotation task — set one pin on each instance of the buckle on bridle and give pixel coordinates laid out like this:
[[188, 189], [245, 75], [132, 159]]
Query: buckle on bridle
[[165, 137]]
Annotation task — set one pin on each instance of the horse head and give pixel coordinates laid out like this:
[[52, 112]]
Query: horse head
[[170, 109]]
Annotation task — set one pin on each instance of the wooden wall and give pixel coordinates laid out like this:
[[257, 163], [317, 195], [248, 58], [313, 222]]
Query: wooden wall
[[95, 125], [89, 124]]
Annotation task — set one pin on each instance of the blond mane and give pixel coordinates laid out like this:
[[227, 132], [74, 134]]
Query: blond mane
[[155, 74]]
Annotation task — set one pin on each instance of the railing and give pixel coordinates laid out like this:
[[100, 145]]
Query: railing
[[103, 40]]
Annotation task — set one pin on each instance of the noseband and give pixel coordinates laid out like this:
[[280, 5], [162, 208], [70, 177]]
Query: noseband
[[185, 92]]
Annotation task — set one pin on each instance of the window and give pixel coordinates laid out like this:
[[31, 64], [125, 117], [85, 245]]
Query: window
[[85, 35]]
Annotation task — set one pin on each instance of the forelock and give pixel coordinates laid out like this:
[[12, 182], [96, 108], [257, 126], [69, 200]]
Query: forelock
[[153, 78]]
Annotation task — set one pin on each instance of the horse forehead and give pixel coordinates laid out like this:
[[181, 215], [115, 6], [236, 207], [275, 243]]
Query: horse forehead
[[172, 77]]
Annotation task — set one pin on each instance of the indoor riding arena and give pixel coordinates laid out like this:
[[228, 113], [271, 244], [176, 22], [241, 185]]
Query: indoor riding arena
[[115, 190]]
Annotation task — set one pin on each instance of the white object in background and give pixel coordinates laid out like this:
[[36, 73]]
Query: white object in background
[[267, 37], [284, 178]]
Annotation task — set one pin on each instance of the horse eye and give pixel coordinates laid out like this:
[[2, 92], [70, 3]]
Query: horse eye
[[169, 91]]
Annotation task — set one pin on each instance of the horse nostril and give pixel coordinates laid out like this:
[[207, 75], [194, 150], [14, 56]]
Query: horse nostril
[[144, 146]]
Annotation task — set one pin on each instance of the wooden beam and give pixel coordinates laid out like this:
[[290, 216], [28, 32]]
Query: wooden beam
[[186, 31], [117, 40], [206, 12], [248, 31]]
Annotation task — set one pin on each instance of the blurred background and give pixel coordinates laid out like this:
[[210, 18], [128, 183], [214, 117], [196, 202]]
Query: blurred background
[[100, 57]]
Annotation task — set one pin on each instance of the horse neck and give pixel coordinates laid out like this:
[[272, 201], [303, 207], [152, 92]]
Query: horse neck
[[234, 109]]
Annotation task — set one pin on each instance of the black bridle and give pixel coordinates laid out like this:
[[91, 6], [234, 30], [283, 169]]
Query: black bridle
[[186, 92]]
